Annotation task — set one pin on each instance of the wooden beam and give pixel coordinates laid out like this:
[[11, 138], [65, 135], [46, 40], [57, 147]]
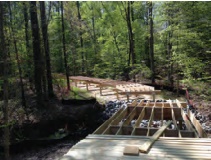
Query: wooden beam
[[141, 92], [133, 104], [128, 119], [116, 121], [138, 121], [101, 129], [131, 151], [197, 125], [146, 146], [186, 119], [151, 119], [173, 118]]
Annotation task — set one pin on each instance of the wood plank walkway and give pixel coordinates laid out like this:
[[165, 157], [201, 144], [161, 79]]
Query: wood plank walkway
[[119, 87], [107, 144], [111, 147]]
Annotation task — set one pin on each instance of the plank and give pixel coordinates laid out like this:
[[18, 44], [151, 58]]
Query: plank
[[140, 92], [146, 146], [116, 120], [174, 120], [186, 119], [133, 137], [106, 123], [197, 125], [131, 151]]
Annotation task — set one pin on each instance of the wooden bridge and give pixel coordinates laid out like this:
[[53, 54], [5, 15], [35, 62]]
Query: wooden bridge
[[119, 87], [111, 138], [171, 132]]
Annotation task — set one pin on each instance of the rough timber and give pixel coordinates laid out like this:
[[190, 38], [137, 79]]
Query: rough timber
[[110, 139]]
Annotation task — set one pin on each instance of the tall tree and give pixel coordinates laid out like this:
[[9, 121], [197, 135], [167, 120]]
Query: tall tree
[[46, 46], [3, 51], [128, 14], [81, 39], [64, 48], [37, 55], [17, 58], [151, 43]]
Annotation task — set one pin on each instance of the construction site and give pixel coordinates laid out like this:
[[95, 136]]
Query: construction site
[[145, 127]]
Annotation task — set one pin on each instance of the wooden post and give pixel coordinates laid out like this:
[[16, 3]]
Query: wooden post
[[153, 96], [127, 94], [100, 90], [87, 86]]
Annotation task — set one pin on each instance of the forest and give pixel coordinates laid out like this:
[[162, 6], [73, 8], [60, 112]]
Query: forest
[[160, 42]]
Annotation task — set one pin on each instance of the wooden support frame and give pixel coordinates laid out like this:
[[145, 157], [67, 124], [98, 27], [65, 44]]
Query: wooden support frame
[[151, 119], [120, 123], [186, 119], [173, 118], [116, 121], [101, 129], [197, 125]]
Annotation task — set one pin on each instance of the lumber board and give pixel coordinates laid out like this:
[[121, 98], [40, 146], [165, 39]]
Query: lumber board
[[138, 121], [146, 146], [128, 119], [186, 119], [131, 151], [167, 139], [140, 92], [197, 125], [174, 119], [107, 123], [151, 119], [169, 148], [133, 104], [116, 120]]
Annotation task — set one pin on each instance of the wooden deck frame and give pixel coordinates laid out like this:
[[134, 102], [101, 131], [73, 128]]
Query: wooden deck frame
[[119, 87], [190, 117], [120, 124]]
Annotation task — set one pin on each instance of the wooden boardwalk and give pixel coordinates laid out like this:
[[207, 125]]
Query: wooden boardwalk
[[109, 141], [119, 87], [111, 147]]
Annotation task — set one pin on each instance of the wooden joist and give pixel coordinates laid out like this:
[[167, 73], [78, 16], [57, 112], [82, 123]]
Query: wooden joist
[[146, 146], [101, 129], [186, 119], [197, 125], [174, 120]]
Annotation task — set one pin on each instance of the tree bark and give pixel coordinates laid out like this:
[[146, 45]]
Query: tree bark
[[151, 44], [37, 55], [3, 51], [64, 48], [47, 50], [131, 35]]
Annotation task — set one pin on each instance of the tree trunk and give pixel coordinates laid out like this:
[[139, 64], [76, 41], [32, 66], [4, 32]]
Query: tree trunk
[[81, 38], [169, 54], [3, 51], [29, 60], [47, 50], [38, 61], [131, 35], [64, 48], [151, 44], [18, 60]]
